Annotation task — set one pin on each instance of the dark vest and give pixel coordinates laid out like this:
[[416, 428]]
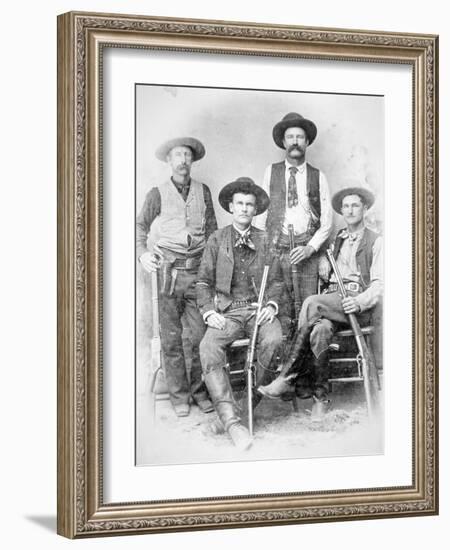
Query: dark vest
[[277, 209], [225, 263], [364, 254]]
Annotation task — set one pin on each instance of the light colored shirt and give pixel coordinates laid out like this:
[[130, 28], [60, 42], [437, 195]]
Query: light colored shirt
[[300, 215], [346, 262]]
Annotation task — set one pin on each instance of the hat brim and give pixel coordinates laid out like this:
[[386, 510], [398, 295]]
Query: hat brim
[[367, 196], [247, 188], [196, 146], [280, 128]]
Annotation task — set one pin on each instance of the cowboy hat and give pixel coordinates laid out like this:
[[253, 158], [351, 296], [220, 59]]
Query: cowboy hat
[[293, 120], [248, 187], [366, 196], [197, 147]]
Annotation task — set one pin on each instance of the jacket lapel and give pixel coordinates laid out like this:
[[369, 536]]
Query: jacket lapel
[[257, 241], [227, 245]]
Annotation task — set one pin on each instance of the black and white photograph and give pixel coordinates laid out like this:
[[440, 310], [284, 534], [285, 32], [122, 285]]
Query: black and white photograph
[[259, 274]]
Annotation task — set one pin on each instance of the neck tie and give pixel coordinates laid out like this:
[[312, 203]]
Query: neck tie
[[244, 240], [292, 188], [184, 190], [350, 236]]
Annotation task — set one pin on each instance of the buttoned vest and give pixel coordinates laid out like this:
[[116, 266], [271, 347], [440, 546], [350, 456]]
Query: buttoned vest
[[277, 209], [182, 224], [225, 263]]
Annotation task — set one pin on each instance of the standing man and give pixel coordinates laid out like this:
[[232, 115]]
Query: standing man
[[227, 289], [186, 218], [359, 257], [299, 196]]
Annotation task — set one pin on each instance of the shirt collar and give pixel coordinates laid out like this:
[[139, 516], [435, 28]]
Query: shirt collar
[[301, 169], [180, 185], [242, 233]]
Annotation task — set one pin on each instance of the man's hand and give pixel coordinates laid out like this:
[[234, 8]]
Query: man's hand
[[324, 269], [300, 253], [149, 261], [266, 314], [215, 320], [350, 305]]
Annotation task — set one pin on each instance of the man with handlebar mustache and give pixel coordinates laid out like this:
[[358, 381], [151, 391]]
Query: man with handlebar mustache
[[299, 196]]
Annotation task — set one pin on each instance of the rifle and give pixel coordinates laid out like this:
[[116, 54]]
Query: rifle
[[363, 352], [295, 276], [250, 361], [155, 364]]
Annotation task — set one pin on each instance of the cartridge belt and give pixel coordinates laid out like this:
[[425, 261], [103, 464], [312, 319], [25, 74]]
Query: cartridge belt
[[350, 285], [187, 263]]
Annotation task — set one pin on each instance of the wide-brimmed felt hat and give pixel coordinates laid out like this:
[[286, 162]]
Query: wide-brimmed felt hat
[[248, 187], [366, 196], [293, 120], [197, 147]]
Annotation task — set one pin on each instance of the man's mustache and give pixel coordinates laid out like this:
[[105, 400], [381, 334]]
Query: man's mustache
[[295, 147]]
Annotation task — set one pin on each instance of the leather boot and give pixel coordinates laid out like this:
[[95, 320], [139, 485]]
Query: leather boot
[[321, 403], [221, 393], [321, 375], [292, 365]]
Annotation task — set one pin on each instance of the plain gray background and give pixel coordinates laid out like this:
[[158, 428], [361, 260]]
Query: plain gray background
[[28, 275]]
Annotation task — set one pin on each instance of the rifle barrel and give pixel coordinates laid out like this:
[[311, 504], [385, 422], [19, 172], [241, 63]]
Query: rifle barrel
[[251, 350], [359, 338]]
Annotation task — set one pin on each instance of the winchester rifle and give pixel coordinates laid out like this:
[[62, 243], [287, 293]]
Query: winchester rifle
[[155, 363], [250, 368], [365, 356], [295, 276]]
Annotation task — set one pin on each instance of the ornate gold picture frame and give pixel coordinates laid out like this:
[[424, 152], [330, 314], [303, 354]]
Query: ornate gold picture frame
[[83, 511]]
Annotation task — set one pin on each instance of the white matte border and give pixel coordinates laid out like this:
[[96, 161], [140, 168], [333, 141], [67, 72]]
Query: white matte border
[[123, 482]]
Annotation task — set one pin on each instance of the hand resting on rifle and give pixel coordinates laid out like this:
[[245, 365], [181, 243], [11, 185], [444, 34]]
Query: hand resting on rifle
[[149, 261], [267, 314], [350, 305], [300, 253]]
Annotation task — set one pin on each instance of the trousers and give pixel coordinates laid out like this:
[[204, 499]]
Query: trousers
[[308, 277], [181, 303], [239, 323]]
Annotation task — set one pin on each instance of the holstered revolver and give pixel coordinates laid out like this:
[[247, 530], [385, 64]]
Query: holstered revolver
[[168, 273]]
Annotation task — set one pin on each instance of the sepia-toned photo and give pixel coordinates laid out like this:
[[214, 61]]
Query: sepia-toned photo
[[259, 274]]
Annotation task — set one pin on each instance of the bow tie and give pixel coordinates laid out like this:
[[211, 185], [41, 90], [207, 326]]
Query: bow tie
[[344, 234], [244, 240]]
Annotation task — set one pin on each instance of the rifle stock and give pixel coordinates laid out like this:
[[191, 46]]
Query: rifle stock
[[366, 358], [250, 361]]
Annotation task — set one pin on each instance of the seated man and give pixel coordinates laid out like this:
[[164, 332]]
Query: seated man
[[227, 288], [359, 256]]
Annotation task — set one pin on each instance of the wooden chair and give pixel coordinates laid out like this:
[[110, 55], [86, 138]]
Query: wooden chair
[[346, 363]]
